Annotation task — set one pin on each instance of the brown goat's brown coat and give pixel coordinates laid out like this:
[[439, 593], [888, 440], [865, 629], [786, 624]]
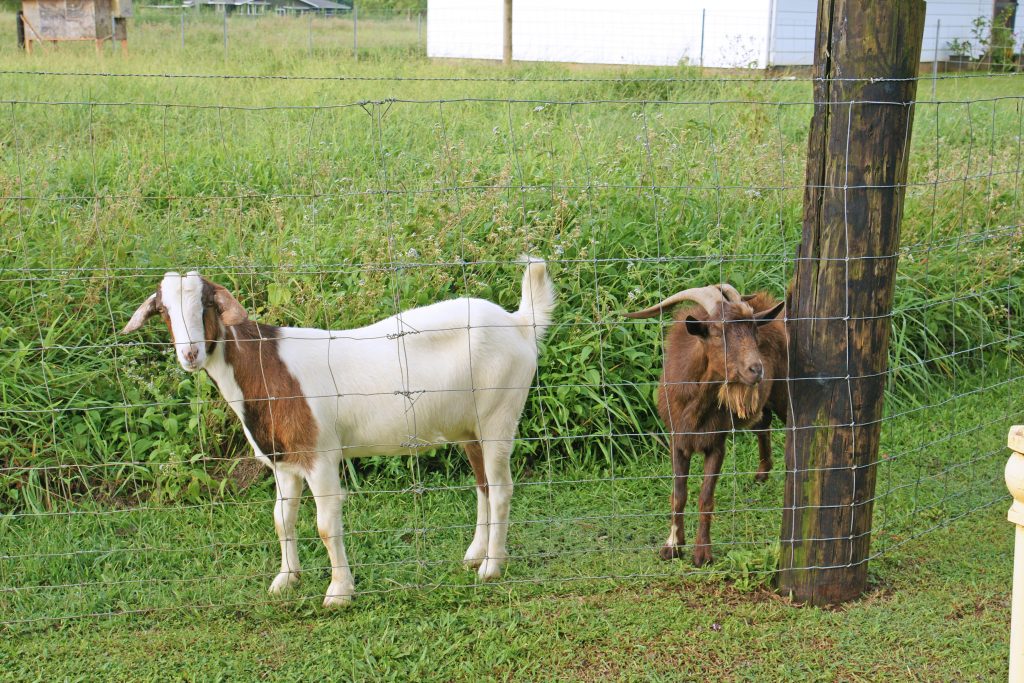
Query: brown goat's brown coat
[[699, 408]]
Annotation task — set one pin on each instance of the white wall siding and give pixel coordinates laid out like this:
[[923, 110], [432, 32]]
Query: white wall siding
[[738, 33], [470, 29], [655, 32]]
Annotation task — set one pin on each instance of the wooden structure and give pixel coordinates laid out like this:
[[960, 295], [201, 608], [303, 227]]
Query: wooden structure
[[865, 67], [59, 20]]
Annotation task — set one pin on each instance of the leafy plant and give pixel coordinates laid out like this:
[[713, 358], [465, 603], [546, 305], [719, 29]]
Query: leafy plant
[[960, 48], [995, 37]]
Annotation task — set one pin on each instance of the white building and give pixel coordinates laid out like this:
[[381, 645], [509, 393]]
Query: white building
[[726, 34]]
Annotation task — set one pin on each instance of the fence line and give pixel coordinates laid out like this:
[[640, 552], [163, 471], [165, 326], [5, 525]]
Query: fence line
[[111, 458]]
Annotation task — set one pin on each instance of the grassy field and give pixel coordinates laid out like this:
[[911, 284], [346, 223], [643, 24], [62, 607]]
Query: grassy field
[[334, 202]]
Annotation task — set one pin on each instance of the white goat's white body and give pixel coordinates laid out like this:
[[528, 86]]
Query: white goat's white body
[[414, 380]]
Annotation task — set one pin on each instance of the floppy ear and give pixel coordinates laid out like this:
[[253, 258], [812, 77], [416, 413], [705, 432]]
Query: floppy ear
[[143, 313], [696, 327], [769, 315], [231, 312]]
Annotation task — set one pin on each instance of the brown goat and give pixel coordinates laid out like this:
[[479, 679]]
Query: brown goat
[[725, 368]]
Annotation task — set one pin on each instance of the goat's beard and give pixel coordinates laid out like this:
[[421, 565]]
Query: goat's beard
[[744, 400]]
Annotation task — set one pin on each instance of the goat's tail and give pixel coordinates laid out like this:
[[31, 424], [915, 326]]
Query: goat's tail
[[538, 298]]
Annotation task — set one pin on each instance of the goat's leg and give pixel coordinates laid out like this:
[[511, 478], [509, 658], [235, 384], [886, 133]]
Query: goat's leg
[[286, 511], [325, 485], [497, 467], [706, 505], [477, 551], [764, 446], [680, 471]]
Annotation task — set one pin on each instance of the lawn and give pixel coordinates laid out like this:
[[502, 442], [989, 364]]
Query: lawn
[[136, 540]]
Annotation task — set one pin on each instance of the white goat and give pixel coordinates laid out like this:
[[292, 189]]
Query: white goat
[[453, 372]]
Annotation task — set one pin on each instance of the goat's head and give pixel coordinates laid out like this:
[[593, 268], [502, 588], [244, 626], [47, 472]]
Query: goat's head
[[727, 327], [194, 310]]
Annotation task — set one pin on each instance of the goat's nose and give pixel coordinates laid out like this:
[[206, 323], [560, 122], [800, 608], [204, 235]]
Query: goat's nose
[[191, 354], [757, 370]]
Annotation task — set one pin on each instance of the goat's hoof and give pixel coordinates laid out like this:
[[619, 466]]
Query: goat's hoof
[[283, 582], [490, 569], [702, 556], [474, 558], [339, 596], [761, 477], [670, 552]]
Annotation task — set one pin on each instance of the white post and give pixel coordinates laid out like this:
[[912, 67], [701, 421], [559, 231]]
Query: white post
[[1015, 482], [702, 13]]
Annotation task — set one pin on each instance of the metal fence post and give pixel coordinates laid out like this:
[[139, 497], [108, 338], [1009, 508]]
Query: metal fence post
[[1014, 475], [225, 31], [310, 32], [935, 57], [355, 31], [702, 13], [182, 29]]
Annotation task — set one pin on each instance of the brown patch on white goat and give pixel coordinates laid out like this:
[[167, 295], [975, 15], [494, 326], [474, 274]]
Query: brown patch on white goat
[[274, 410]]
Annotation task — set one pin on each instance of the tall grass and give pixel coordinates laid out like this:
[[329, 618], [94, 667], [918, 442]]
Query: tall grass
[[326, 202]]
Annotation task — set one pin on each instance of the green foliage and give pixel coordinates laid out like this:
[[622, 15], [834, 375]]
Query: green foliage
[[995, 38], [328, 216]]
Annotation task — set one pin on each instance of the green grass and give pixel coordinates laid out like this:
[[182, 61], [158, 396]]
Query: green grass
[[182, 589], [939, 614], [321, 202]]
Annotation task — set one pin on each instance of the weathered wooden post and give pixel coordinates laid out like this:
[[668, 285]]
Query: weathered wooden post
[[506, 54], [20, 24], [866, 59]]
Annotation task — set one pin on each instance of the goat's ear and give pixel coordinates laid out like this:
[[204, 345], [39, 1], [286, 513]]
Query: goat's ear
[[231, 312], [696, 327], [769, 315], [143, 313]]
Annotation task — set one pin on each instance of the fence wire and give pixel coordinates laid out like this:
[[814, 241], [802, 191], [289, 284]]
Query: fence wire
[[127, 485]]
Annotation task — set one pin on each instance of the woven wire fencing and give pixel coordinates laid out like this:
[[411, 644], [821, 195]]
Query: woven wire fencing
[[126, 484]]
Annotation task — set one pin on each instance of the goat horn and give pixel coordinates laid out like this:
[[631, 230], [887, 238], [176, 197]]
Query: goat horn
[[708, 297], [730, 293]]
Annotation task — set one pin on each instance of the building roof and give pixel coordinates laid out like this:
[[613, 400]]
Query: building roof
[[327, 4]]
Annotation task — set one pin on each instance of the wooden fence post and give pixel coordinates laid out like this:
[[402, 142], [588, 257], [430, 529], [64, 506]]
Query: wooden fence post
[[841, 297], [506, 56]]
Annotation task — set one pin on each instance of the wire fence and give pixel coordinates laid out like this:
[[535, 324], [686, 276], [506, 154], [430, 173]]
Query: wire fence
[[127, 485]]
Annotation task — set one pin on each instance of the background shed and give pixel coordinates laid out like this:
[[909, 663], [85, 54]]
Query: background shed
[[59, 20]]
